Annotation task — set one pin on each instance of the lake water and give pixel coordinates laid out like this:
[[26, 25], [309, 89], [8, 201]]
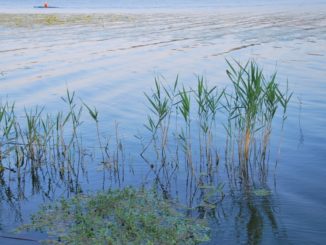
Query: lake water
[[112, 61], [147, 4]]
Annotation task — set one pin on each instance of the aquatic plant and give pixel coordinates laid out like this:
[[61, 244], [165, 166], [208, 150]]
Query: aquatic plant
[[184, 138], [177, 114], [183, 127], [49, 147], [39, 20], [123, 216], [252, 107]]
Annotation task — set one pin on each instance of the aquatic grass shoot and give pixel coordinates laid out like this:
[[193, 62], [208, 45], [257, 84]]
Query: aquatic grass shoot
[[49, 147], [185, 127], [252, 107], [176, 115]]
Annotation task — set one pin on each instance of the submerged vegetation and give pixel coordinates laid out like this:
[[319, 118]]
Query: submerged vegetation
[[117, 217], [189, 131], [57, 19]]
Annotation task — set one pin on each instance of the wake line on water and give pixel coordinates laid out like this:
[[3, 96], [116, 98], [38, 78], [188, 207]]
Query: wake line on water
[[237, 48]]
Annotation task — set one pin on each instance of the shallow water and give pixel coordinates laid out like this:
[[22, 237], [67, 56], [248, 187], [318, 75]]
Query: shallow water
[[112, 59]]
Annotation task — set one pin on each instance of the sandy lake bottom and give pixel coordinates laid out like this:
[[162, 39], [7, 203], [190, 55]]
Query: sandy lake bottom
[[111, 59]]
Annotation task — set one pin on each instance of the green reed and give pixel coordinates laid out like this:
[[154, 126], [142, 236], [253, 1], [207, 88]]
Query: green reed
[[51, 145], [208, 103], [252, 108], [161, 101], [94, 115], [111, 159], [184, 133], [184, 126], [7, 122], [176, 113]]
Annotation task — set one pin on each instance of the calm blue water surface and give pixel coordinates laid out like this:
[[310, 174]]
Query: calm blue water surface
[[147, 4], [112, 63]]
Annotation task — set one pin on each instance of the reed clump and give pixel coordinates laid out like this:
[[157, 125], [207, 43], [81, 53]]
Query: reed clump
[[184, 138], [251, 109], [182, 132], [185, 125], [50, 147], [185, 132]]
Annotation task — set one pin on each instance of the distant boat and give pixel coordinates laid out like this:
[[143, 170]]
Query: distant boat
[[45, 6], [49, 7]]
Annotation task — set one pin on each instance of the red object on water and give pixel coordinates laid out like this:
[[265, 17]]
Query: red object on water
[[46, 5]]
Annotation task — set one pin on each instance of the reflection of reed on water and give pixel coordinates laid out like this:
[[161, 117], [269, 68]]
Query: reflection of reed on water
[[182, 148], [44, 155], [184, 154], [185, 130]]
